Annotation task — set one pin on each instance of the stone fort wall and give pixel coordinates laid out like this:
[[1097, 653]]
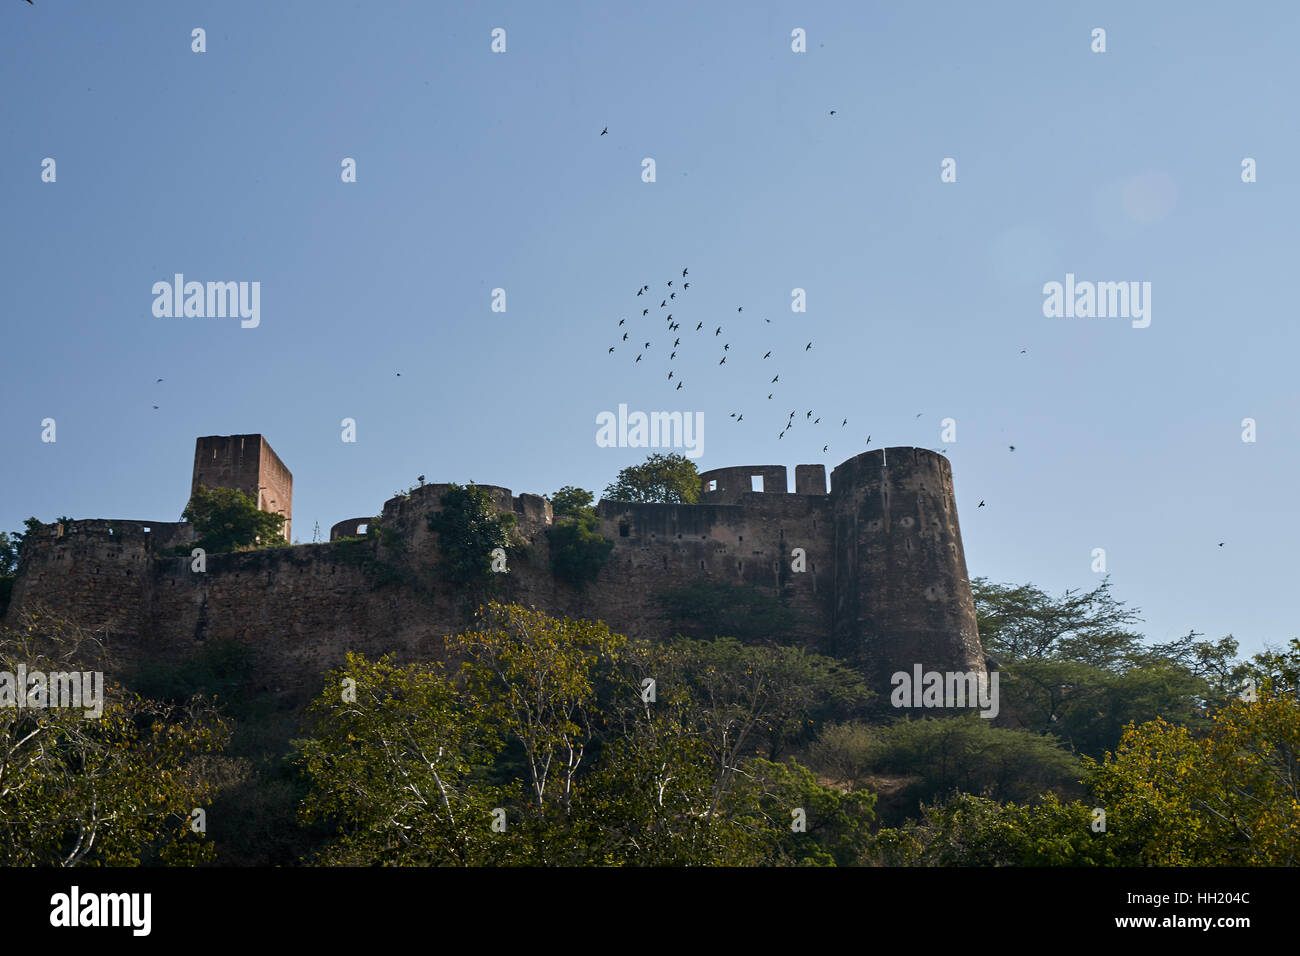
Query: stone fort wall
[[885, 581]]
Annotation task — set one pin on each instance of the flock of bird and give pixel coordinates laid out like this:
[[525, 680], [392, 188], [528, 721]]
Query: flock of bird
[[668, 301]]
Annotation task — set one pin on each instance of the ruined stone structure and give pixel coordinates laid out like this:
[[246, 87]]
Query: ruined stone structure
[[881, 580], [246, 463]]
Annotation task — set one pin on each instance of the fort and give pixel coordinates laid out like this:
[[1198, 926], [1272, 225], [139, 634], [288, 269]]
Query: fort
[[880, 578]]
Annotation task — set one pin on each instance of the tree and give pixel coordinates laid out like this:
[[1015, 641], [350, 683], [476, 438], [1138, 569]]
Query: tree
[[393, 765], [225, 519], [578, 550], [670, 478], [571, 502], [469, 529], [108, 790]]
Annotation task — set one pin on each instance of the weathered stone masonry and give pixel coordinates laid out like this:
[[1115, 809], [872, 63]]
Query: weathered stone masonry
[[885, 581]]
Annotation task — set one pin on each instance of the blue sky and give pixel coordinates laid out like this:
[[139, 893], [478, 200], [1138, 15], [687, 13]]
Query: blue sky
[[478, 170]]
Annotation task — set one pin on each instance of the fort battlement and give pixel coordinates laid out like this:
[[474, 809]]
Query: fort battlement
[[871, 569]]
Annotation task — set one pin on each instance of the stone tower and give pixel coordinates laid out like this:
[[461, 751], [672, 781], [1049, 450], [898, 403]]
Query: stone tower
[[246, 463], [902, 595]]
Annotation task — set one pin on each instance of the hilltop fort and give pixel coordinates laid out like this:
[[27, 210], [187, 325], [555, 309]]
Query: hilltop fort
[[879, 577]]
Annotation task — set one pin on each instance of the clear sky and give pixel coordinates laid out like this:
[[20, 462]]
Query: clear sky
[[479, 170]]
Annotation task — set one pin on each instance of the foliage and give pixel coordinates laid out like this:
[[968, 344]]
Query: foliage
[[578, 549], [966, 753], [571, 502], [113, 790], [667, 478], [394, 767], [469, 529], [225, 519]]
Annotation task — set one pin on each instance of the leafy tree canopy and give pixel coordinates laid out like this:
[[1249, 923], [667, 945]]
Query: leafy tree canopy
[[670, 478], [225, 519]]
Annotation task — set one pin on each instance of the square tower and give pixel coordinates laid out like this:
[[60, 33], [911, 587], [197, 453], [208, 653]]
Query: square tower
[[245, 463]]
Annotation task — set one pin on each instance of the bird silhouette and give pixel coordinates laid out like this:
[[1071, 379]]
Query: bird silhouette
[[919, 414], [679, 384], [824, 447], [769, 396], [832, 112], [638, 358], [639, 291], [155, 406], [621, 321], [768, 355], [726, 348], [673, 295], [1012, 447], [1220, 543], [670, 283], [399, 374], [782, 435], [604, 131], [733, 415], [645, 312], [683, 273], [677, 343], [611, 349], [663, 303], [700, 326], [1022, 351], [159, 380], [670, 316], [741, 418], [647, 345], [807, 347], [670, 375], [686, 285], [774, 378], [673, 356], [981, 504], [868, 439], [808, 416], [419, 477], [843, 423], [817, 421], [624, 336], [724, 359], [718, 331]]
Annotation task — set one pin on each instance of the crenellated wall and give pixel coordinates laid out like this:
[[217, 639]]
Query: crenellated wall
[[883, 582]]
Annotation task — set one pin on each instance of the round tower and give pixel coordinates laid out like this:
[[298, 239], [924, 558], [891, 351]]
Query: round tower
[[902, 595]]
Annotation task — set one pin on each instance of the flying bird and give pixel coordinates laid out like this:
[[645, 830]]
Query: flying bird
[[868, 439], [832, 112], [718, 331], [1220, 543], [724, 359], [670, 375], [769, 396], [673, 295], [774, 378], [683, 273], [159, 380], [677, 343], [670, 283], [399, 374], [817, 421], [647, 345], [843, 423], [624, 336], [663, 303], [733, 415], [981, 504], [726, 348], [769, 355], [639, 291], [686, 285], [155, 406], [611, 349], [602, 132], [807, 347], [1012, 447], [808, 416], [673, 356], [645, 312], [824, 447], [621, 321], [638, 358], [741, 418], [700, 326], [740, 309], [679, 384]]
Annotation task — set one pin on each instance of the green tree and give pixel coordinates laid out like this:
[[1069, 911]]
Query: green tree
[[469, 529], [578, 550], [571, 502], [225, 519], [391, 760], [671, 478], [115, 789]]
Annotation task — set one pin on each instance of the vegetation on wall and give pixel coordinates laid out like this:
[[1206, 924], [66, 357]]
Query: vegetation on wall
[[469, 529], [666, 478], [225, 519]]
